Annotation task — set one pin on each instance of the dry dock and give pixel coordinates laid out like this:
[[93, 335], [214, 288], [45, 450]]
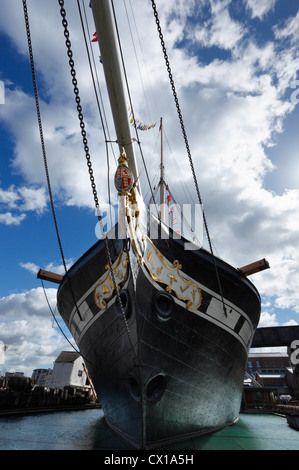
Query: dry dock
[[86, 430]]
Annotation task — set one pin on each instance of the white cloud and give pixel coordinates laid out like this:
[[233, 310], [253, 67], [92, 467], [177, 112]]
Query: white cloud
[[26, 328], [233, 110], [289, 30], [290, 323], [260, 8], [20, 200], [31, 267], [24, 304], [52, 267], [59, 268], [33, 199], [268, 319], [64, 148], [9, 197], [220, 30], [7, 218]]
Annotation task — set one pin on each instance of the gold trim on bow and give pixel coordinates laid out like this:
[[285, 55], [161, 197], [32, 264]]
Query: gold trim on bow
[[104, 289], [176, 281]]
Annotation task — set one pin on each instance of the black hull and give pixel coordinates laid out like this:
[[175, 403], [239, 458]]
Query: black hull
[[167, 373]]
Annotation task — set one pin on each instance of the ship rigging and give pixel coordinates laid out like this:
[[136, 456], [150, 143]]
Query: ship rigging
[[165, 332]]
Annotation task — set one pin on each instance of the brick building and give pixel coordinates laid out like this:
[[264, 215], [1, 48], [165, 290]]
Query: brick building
[[268, 362], [265, 381]]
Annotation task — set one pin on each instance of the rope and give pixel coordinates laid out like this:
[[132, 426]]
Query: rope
[[89, 164], [130, 100], [56, 321], [61, 330], [43, 145], [97, 99], [187, 144]]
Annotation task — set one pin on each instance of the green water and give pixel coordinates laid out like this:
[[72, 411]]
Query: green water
[[85, 430]]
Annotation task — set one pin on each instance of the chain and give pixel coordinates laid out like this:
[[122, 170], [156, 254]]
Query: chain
[[79, 107], [88, 161], [40, 124], [186, 143], [43, 146]]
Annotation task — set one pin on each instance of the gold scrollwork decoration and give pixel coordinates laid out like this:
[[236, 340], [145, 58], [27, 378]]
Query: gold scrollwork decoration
[[176, 282], [104, 289]]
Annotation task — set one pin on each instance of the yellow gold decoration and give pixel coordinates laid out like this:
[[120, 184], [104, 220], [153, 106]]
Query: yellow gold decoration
[[123, 178], [104, 289], [185, 288]]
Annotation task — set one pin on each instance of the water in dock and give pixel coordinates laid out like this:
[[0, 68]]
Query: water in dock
[[86, 430]]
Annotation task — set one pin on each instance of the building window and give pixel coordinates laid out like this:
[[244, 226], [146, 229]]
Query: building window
[[258, 364], [80, 373]]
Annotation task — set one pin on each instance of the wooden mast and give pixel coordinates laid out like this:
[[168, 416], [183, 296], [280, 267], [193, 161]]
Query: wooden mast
[[162, 202], [104, 24]]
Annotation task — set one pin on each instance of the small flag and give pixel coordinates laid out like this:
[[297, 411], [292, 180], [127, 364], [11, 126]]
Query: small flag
[[168, 198], [95, 38]]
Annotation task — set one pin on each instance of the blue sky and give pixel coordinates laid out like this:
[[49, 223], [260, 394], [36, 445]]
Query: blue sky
[[235, 65]]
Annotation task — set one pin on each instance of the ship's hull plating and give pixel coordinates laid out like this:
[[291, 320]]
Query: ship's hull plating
[[168, 372]]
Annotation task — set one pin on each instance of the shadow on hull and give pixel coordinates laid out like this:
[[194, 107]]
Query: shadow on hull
[[165, 372]]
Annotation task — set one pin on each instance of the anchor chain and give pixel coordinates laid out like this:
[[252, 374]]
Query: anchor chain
[[88, 161], [186, 144], [26, 17]]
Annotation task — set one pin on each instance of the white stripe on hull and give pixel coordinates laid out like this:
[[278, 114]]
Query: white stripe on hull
[[213, 314]]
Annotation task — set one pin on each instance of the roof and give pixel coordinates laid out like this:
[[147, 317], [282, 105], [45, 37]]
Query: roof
[[267, 354], [279, 375], [67, 356]]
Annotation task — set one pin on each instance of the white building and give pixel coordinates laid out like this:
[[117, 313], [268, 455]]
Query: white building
[[42, 377], [69, 370]]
